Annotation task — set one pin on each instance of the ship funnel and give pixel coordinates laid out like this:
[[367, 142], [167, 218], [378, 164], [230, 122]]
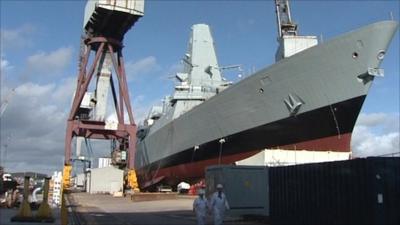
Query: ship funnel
[[201, 61]]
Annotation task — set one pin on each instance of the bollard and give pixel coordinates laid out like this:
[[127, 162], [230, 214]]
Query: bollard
[[44, 213], [25, 212]]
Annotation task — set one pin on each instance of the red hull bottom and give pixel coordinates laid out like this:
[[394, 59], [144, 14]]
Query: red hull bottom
[[334, 143], [196, 170]]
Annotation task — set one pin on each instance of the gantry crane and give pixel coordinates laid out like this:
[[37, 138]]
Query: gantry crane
[[290, 42], [105, 24], [286, 27]]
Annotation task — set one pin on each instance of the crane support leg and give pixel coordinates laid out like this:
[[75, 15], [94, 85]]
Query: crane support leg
[[66, 179], [79, 125]]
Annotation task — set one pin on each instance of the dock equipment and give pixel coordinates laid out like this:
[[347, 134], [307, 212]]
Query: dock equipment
[[25, 212], [284, 18], [290, 42], [105, 24], [44, 211]]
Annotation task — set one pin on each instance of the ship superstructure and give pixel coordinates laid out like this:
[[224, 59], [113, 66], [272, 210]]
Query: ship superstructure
[[200, 79]]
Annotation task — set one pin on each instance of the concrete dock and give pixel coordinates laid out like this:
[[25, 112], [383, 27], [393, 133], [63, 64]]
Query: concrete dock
[[105, 209]]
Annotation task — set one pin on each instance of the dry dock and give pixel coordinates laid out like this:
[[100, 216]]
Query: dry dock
[[105, 209]]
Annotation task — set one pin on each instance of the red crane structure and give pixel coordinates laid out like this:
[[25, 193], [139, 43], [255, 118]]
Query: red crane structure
[[105, 25]]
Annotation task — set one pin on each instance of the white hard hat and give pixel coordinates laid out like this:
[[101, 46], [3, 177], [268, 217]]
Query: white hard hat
[[201, 192], [219, 186]]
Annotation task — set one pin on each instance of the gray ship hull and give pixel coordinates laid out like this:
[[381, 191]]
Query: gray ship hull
[[308, 101]]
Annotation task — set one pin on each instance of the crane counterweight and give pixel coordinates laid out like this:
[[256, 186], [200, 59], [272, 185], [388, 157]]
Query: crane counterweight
[[111, 18]]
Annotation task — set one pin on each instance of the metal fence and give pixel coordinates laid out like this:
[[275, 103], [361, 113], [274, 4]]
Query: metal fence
[[359, 191]]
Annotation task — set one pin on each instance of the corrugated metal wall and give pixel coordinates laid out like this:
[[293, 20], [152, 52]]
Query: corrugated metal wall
[[360, 191]]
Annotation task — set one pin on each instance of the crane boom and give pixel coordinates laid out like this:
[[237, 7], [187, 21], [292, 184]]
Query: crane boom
[[4, 104]]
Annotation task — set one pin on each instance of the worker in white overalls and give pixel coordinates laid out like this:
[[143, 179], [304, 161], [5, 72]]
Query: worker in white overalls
[[200, 207], [219, 204]]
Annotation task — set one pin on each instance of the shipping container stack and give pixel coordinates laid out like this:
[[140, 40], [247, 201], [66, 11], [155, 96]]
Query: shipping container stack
[[359, 191]]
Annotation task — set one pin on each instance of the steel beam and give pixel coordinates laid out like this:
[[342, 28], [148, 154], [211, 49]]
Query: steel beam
[[97, 129]]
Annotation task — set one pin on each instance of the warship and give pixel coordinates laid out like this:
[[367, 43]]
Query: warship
[[309, 99]]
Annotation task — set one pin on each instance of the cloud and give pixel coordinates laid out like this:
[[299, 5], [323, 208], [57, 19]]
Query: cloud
[[4, 64], [172, 70], [50, 63], [365, 143], [35, 123], [372, 119], [380, 122], [141, 67], [34, 90], [19, 37], [4, 68], [376, 134], [64, 93]]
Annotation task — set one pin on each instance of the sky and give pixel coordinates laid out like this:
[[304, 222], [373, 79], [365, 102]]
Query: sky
[[39, 57]]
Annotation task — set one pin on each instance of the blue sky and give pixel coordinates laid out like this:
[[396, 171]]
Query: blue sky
[[40, 44]]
